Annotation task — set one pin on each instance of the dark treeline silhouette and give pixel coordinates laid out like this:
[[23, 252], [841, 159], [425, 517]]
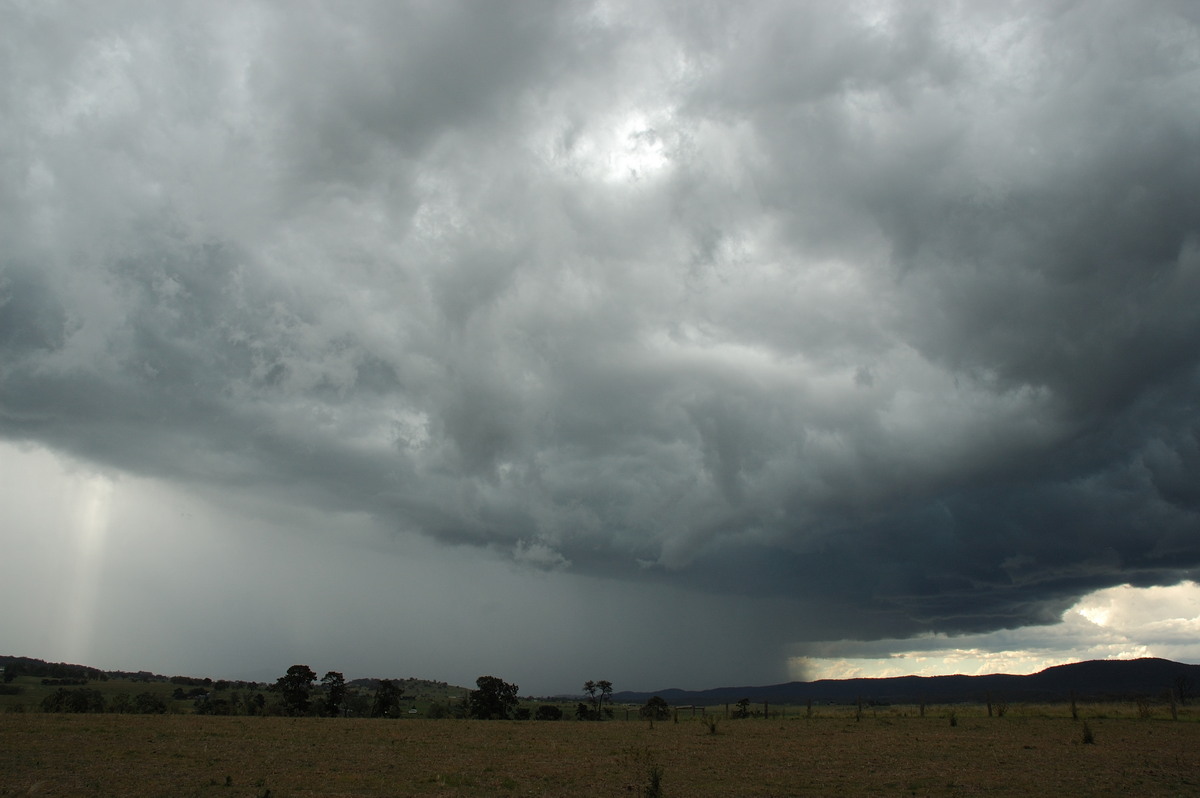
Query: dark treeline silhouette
[[299, 692], [26, 666]]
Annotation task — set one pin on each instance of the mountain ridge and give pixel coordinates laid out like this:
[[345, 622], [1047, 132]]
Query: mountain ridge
[[1088, 680]]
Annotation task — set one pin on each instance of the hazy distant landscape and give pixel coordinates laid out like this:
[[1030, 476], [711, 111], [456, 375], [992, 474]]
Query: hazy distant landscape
[[29, 684]]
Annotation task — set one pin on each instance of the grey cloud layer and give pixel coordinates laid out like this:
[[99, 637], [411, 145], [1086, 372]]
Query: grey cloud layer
[[884, 309]]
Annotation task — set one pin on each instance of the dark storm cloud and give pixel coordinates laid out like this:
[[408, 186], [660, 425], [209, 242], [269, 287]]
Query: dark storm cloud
[[886, 310]]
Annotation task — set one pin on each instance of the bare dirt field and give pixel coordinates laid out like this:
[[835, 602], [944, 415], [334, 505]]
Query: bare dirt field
[[231, 757]]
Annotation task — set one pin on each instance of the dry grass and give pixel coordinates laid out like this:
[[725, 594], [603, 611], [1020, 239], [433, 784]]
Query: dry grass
[[182, 755]]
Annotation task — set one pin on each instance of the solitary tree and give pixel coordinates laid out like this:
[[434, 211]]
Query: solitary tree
[[655, 709], [1183, 688], [495, 699], [598, 693], [606, 690], [295, 687], [334, 684]]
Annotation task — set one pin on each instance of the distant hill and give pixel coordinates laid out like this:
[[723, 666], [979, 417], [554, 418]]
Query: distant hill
[[27, 666], [12, 667], [1092, 680]]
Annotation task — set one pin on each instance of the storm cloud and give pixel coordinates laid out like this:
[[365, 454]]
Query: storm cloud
[[886, 311]]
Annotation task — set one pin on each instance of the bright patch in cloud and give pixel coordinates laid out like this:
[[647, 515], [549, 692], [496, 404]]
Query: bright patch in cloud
[[1117, 623], [625, 148]]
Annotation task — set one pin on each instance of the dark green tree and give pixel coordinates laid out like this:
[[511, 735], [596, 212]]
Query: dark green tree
[[358, 703], [548, 712], [149, 704], [295, 687], [80, 700], [121, 703], [495, 699], [591, 689], [256, 704], [387, 700], [334, 685], [655, 709], [606, 691]]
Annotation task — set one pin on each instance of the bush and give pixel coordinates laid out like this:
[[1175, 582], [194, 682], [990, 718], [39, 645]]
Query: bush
[[548, 712], [81, 700], [149, 704], [653, 782]]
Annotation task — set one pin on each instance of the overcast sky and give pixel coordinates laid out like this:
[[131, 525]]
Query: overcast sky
[[678, 344]]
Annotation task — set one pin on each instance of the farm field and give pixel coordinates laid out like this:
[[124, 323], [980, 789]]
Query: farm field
[[903, 755]]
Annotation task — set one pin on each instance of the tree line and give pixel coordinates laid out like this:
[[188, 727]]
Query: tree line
[[299, 692]]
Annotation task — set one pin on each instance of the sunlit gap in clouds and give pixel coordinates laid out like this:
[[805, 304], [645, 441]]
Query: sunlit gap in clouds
[[623, 148], [1115, 623], [91, 528]]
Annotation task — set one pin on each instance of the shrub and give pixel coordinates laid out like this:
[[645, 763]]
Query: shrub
[[80, 700], [149, 704], [653, 782]]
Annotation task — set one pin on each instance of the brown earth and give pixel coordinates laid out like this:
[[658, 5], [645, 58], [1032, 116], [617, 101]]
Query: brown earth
[[232, 757]]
